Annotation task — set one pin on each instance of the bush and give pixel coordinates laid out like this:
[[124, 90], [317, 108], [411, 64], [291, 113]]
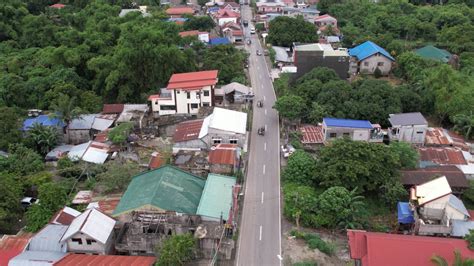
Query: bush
[[314, 241]]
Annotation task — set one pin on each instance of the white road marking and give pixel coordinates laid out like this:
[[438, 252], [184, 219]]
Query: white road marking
[[265, 111], [265, 146], [262, 197], [265, 127], [279, 257], [264, 98], [263, 169], [260, 233]]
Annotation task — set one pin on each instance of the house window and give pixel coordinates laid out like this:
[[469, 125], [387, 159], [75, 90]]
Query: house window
[[198, 95], [194, 106], [205, 104], [188, 95], [366, 63], [167, 107], [216, 141], [345, 135], [380, 64], [77, 240], [419, 132], [206, 93], [178, 92], [332, 135], [90, 241], [233, 141]]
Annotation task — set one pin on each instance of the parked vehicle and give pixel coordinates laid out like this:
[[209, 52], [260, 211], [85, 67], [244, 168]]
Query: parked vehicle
[[246, 23], [28, 201], [259, 103], [259, 53], [261, 131], [287, 150], [252, 30], [249, 42]]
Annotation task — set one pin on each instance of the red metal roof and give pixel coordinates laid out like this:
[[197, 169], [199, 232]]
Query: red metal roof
[[374, 249], [437, 137], [112, 108], [454, 175], [102, 136], [179, 11], [11, 246], [226, 13], [312, 134], [187, 130], [62, 217], [105, 260], [189, 33], [442, 155], [58, 6], [223, 154], [155, 161], [323, 17], [193, 80], [108, 205]]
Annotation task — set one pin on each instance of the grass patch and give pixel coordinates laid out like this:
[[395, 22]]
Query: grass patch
[[314, 241], [380, 216], [305, 263]]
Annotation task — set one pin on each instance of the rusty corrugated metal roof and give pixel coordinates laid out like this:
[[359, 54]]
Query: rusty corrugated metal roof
[[442, 156], [112, 108], [437, 137], [312, 134], [455, 177], [223, 154], [187, 130]]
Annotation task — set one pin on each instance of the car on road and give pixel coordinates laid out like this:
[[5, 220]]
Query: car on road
[[259, 53], [28, 201], [252, 30], [249, 42], [245, 22]]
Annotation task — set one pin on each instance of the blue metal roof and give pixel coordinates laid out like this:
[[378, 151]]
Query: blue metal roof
[[405, 214], [218, 41], [44, 120], [367, 49], [336, 122], [177, 19]]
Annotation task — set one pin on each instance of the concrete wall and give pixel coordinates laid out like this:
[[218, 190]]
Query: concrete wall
[[411, 134], [223, 169], [78, 136], [368, 65], [223, 21], [190, 145], [305, 61], [93, 248], [224, 136], [352, 133]]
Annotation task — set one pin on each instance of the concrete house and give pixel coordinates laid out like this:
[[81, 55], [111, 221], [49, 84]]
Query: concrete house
[[308, 56], [84, 127], [368, 56], [224, 16], [224, 126], [270, 6], [449, 205], [233, 6], [233, 32], [201, 35], [325, 20], [178, 12], [186, 93], [361, 130], [91, 232], [408, 127], [236, 93], [309, 14]]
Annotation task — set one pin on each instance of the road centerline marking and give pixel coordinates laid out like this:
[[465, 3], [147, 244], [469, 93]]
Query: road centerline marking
[[262, 196], [265, 146], [260, 233], [265, 111], [263, 169]]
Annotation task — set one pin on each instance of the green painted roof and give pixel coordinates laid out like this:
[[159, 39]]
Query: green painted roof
[[217, 197], [431, 52], [167, 188]]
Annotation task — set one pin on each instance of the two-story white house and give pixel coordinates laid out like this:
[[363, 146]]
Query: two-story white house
[[367, 57], [361, 130], [408, 127], [186, 93], [91, 232]]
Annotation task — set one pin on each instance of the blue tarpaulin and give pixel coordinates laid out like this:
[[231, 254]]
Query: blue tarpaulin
[[219, 41], [405, 214], [44, 120]]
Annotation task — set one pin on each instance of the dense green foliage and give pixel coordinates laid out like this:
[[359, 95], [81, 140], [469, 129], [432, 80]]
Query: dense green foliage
[[286, 30], [119, 134], [15, 162], [470, 239], [42, 138], [290, 106], [300, 169], [176, 250], [10, 196], [227, 59], [407, 155], [314, 241], [201, 23], [300, 204], [117, 175], [9, 127]]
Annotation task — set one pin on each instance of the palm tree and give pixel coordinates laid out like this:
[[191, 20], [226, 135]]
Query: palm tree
[[44, 138], [464, 124], [356, 205], [458, 260], [65, 108]]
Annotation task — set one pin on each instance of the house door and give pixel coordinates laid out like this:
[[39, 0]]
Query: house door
[[188, 108]]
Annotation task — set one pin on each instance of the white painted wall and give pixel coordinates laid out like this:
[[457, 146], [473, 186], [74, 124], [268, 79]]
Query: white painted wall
[[95, 247], [415, 134], [223, 21], [204, 37], [368, 65], [361, 134]]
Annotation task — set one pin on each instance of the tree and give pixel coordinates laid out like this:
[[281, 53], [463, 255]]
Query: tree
[[458, 260], [15, 162], [322, 74], [176, 250], [117, 176], [9, 127], [352, 164], [65, 108], [43, 138], [300, 168], [201, 23], [407, 155], [120, 133], [10, 196], [37, 217], [284, 31], [317, 113], [338, 207], [300, 204], [465, 124], [225, 58], [470, 239], [290, 106]]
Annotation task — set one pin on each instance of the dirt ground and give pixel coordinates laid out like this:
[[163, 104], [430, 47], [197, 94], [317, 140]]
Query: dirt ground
[[296, 250]]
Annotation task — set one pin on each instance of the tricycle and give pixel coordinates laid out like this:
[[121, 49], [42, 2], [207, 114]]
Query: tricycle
[[261, 131], [259, 103]]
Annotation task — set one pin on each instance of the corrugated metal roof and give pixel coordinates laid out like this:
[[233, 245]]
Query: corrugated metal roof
[[36, 258], [112, 108], [367, 49], [312, 134], [102, 123], [235, 86], [223, 154], [92, 223], [11, 246], [281, 54], [218, 41], [461, 228], [179, 11], [65, 216], [432, 190], [407, 119], [225, 120], [193, 79], [457, 204], [216, 200], [374, 249], [455, 176], [58, 152], [188, 130], [48, 239], [105, 260], [131, 110], [433, 53], [165, 188], [437, 136], [83, 197], [350, 123], [156, 160], [443, 156], [83, 122]]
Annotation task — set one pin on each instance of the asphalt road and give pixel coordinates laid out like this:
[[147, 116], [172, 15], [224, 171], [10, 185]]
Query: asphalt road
[[260, 230]]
